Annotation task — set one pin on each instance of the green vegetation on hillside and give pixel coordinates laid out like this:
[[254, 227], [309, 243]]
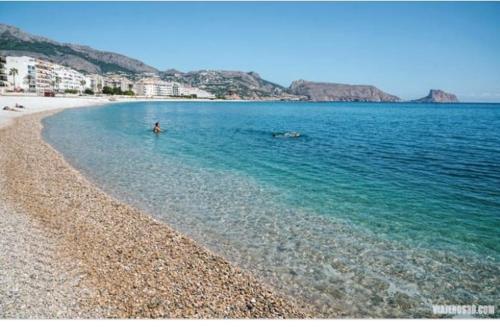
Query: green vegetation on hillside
[[51, 49]]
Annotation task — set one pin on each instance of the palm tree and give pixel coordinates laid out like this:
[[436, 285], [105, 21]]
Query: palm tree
[[99, 87], [13, 71], [83, 83]]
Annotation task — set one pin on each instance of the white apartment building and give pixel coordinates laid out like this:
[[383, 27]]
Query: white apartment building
[[3, 74], [118, 81], [145, 87], [69, 79], [35, 75], [25, 78], [44, 76], [96, 83], [154, 87]]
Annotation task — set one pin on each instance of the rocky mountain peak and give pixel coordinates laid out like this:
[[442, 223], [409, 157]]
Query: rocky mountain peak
[[438, 96]]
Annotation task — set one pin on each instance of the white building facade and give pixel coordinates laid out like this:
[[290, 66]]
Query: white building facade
[[3, 73], [25, 78], [151, 87], [96, 82], [158, 88], [45, 77], [118, 81], [69, 79], [36, 75]]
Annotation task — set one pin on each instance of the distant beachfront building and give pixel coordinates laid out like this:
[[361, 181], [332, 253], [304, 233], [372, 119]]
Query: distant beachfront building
[[45, 77], [69, 79], [25, 76], [118, 81], [3, 73], [96, 83], [150, 87], [36, 75], [159, 88], [145, 87]]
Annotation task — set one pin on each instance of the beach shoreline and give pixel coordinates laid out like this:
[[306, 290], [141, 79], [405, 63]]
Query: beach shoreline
[[99, 257]]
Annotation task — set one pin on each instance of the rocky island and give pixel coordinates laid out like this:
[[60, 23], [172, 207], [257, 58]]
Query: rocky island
[[437, 96]]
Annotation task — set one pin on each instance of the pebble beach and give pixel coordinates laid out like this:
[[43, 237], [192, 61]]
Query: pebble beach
[[68, 250]]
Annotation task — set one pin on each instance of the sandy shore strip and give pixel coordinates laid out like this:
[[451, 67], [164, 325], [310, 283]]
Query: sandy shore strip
[[36, 104], [67, 244]]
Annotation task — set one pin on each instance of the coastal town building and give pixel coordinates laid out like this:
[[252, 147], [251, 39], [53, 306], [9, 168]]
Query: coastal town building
[[3, 73], [69, 79], [151, 87], [44, 76], [118, 81], [32, 75], [21, 73], [96, 83]]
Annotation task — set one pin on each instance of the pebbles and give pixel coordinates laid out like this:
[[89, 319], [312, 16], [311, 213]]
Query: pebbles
[[134, 266]]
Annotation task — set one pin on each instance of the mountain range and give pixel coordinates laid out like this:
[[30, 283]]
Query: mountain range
[[224, 84]]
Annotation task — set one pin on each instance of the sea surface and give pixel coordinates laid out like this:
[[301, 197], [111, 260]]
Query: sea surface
[[376, 210]]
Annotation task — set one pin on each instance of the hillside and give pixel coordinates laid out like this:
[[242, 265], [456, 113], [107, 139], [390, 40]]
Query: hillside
[[16, 42], [437, 96], [322, 92], [230, 84]]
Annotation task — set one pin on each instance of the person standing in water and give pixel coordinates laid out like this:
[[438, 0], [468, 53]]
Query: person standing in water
[[156, 128]]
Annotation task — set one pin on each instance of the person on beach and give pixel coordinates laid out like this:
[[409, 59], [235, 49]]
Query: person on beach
[[156, 128]]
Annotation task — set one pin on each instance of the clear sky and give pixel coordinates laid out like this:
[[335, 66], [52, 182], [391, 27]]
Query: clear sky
[[403, 48]]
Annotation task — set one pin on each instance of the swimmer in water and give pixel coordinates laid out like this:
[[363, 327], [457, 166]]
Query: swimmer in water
[[287, 134], [156, 128]]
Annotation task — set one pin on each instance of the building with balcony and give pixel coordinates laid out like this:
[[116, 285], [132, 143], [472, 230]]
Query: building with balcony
[[118, 81], [36, 75], [151, 87], [3, 72], [45, 77], [96, 83], [155, 87], [25, 78], [69, 79], [146, 87], [3, 75]]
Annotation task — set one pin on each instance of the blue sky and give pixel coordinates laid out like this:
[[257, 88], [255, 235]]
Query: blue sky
[[403, 48]]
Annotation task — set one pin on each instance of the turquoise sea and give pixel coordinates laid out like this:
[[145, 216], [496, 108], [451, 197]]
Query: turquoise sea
[[376, 210]]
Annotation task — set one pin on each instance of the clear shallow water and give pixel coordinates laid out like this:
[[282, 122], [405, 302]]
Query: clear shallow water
[[376, 210]]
